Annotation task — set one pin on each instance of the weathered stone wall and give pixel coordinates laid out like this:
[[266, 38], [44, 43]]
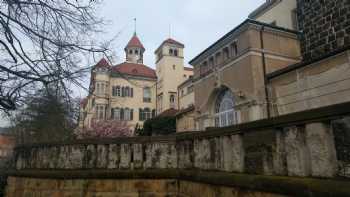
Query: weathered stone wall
[[232, 161], [292, 148], [325, 26], [126, 188]]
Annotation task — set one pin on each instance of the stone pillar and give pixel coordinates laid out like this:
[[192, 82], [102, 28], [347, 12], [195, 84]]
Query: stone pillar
[[279, 156], [320, 142], [296, 152], [233, 153]]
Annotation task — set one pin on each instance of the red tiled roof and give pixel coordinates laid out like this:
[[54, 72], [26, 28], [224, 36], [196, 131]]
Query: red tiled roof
[[135, 70], [172, 41], [102, 63], [168, 113], [135, 42]]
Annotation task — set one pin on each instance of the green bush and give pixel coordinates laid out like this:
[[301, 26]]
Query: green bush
[[158, 126]]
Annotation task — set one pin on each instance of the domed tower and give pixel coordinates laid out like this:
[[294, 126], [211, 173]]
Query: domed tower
[[134, 50]]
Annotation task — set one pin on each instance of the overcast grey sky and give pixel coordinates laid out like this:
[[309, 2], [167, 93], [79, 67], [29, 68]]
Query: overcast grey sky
[[196, 23]]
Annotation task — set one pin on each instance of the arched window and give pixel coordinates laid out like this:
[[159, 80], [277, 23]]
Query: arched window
[[175, 52], [225, 114]]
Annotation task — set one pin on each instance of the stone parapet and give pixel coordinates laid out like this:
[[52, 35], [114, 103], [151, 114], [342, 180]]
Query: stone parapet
[[306, 144]]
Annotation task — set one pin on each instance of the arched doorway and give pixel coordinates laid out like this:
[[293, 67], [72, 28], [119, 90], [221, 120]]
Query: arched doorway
[[225, 114]]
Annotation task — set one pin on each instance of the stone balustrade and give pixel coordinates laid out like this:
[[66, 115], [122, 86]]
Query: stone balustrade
[[306, 144]]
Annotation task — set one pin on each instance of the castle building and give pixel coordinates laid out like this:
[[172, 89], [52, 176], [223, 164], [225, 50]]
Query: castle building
[[134, 92], [171, 72]]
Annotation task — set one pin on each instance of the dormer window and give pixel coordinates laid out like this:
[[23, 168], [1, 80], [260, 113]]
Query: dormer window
[[130, 52], [171, 51], [136, 52]]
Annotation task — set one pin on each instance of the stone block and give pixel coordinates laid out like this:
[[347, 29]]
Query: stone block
[[90, 157], [185, 154], [113, 156], [102, 156], [320, 143], [341, 131], [138, 156], [259, 149], [125, 156], [202, 154], [296, 152]]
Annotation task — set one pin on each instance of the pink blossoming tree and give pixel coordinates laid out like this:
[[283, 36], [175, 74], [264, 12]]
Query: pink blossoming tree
[[105, 129]]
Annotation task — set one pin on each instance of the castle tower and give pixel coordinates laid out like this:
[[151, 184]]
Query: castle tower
[[134, 50], [170, 73]]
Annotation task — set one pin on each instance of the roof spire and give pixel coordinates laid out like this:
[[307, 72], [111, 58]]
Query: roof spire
[[169, 30], [135, 26]]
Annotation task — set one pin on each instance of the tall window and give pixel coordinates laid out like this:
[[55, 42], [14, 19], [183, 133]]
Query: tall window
[[116, 114], [234, 50], [211, 62], [225, 114], [218, 58], [226, 53], [204, 68], [127, 114], [145, 114], [116, 91], [172, 100], [100, 112], [147, 95], [100, 88], [176, 52]]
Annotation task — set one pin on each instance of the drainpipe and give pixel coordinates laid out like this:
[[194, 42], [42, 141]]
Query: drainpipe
[[267, 99]]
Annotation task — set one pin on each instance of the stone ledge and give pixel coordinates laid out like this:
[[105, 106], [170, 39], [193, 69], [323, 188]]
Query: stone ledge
[[301, 187], [321, 114]]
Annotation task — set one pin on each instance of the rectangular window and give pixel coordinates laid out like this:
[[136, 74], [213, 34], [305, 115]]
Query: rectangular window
[[127, 114], [116, 91], [100, 112], [116, 114], [147, 95]]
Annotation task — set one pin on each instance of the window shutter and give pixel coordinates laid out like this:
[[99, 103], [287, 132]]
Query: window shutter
[[131, 114], [112, 113], [140, 114], [132, 92], [153, 113], [121, 114], [123, 91]]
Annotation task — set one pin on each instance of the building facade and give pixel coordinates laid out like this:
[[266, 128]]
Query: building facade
[[293, 56], [323, 78], [134, 92], [229, 77], [282, 13], [185, 118], [171, 72]]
